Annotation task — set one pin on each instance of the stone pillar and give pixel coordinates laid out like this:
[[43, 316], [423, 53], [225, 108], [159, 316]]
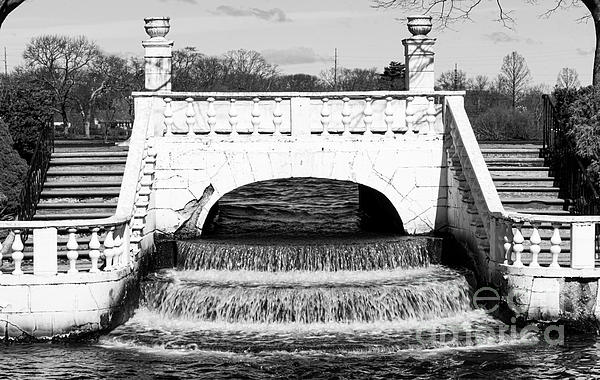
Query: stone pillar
[[418, 55], [158, 54]]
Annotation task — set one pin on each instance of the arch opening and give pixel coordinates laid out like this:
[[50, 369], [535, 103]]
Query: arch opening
[[302, 207]]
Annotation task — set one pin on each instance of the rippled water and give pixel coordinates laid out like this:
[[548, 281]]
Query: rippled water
[[307, 306]]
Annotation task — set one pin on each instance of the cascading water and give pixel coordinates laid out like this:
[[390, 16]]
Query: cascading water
[[300, 300]]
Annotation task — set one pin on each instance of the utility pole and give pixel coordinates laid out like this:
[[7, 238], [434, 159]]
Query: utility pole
[[455, 82], [5, 63], [335, 70]]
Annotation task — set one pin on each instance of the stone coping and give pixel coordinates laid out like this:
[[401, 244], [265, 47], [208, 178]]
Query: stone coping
[[547, 272], [64, 278], [535, 218], [330, 140], [285, 95]]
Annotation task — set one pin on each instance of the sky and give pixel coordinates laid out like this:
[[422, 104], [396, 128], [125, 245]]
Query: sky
[[300, 36]]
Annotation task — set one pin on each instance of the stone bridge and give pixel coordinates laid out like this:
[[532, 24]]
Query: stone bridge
[[413, 154], [210, 144]]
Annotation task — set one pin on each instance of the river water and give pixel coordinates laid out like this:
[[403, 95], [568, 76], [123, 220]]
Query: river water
[[287, 285]]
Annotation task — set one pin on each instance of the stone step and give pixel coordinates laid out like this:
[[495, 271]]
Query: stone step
[[99, 154], [86, 184], [88, 178], [510, 153], [519, 171], [87, 167], [72, 215], [78, 205], [82, 142], [512, 162], [527, 192], [535, 206], [81, 193], [98, 148], [88, 161], [501, 181]]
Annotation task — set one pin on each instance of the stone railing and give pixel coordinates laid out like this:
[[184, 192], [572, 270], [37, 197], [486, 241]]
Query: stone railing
[[112, 243], [297, 115], [511, 235]]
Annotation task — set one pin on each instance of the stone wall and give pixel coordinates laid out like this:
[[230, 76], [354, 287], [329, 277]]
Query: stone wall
[[193, 173]]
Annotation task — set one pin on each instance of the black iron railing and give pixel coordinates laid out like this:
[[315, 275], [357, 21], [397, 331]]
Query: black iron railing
[[573, 179], [36, 175]]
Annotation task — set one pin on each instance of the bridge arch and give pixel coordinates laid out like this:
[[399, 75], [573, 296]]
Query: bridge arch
[[411, 177], [379, 213]]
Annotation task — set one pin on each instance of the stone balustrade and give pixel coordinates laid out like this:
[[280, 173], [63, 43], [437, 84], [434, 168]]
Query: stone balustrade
[[90, 245], [398, 114], [107, 247], [511, 239], [522, 243]]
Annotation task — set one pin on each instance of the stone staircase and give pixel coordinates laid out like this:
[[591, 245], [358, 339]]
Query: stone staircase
[[525, 184], [83, 182]]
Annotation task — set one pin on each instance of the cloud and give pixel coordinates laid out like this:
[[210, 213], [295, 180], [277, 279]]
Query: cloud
[[292, 56], [500, 37], [183, 1], [584, 52], [531, 41], [275, 14]]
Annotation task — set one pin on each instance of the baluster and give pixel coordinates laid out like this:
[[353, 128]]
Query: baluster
[[72, 253], [233, 117], [389, 116], [518, 240], [168, 114], [17, 254], [117, 250], [325, 116], [190, 116], [431, 115], [277, 117], [211, 114], [555, 248], [255, 116], [411, 115], [507, 243], [94, 250], [108, 248], [346, 112], [368, 116], [535, 248]]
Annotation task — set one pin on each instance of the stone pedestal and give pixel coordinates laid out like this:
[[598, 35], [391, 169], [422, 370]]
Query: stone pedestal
[[419, 58], [158, 55]]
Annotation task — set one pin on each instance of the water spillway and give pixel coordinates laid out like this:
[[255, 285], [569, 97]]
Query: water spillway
[[262, 291]]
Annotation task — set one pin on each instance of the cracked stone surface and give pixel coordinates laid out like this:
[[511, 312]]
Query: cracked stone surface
[[412, 174]]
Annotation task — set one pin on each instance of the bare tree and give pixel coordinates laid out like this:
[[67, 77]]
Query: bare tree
[[59, 62], [446, 11], [353, 79], [7, 6], [106, 75], [514, 76], [567, 78], [452, 80], [247, 70], [479, 83]]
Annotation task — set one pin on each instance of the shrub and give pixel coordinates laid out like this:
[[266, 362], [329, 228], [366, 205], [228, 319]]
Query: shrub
[[502, 123], [578, 115], [13, 170], [25, 108]]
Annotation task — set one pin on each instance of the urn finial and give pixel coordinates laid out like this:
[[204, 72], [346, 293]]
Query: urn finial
[[157, 27], [419, 25]]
